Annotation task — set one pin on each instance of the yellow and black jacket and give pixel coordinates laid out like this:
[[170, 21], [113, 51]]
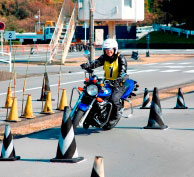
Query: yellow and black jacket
[[114, 67]]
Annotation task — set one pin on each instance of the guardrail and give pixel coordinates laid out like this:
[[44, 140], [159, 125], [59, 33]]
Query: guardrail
[[5, 60], [144, 29], [173, 29]]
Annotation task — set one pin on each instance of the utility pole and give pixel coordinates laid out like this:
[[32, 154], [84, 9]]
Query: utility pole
[[39, 18], [92, 50], [135, 54]]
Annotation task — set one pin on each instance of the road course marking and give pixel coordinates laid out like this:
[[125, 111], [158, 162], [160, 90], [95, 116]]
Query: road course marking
[[170, 71], [148, 64], [166, 63], [186, 63], [189, 71], [35, 88], [178, 66]]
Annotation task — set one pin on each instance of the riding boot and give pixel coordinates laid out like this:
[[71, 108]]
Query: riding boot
[[114, 117]]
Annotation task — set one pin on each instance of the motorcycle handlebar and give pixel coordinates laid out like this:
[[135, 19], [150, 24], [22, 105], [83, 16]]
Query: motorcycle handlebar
[[88, 70], [109, 82]]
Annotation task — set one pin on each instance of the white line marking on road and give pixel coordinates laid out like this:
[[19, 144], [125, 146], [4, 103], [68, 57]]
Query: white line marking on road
[[185, 63], [176, 66], [166, 63], [170, 71], [148, 64], [35, 88], [189, 71], [142, 71]]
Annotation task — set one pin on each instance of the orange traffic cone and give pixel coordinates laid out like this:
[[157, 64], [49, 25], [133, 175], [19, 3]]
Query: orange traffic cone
[[28, 111], [9, 99], [13, 114], [63, 101], [48, 105]]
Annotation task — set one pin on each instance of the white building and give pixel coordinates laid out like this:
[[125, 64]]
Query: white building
[[112, 10]]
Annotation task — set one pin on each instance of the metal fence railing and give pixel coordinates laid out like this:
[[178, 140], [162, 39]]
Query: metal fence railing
[[6, 60]]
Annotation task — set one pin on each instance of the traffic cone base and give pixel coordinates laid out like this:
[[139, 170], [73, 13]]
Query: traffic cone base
[[156, 127], [18, 120], [47, 112], [27, 117], [10, 159], [181, 107], [45, 99], [144, 108], [73, 160]]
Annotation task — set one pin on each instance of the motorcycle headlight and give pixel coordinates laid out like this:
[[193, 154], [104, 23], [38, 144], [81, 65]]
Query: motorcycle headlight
[[92, 90]]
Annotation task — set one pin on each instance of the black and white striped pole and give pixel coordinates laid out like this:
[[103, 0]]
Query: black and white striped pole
[[67, 150], [8, 151]]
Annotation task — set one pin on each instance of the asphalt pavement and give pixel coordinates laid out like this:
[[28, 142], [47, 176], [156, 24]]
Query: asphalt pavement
[[128, 150]]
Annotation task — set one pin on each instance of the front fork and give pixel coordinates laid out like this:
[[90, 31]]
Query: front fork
[[87, 112], [76, 104]]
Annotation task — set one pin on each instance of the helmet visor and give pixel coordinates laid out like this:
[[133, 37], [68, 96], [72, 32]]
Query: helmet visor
[[108, 48]]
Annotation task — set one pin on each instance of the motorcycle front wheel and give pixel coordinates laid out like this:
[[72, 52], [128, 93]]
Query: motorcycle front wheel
[[109, 127], [77, 117]]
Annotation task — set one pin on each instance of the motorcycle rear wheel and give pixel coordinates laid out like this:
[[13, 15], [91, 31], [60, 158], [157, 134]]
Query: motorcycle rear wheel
[[77, 117]]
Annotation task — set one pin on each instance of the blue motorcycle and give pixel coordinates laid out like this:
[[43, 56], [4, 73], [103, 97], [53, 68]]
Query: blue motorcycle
[[93, 107]]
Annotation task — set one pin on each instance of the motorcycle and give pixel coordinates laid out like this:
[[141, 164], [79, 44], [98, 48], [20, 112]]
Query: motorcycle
[[93, 107]]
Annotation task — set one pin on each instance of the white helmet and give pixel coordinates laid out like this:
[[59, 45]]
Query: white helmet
[[110, 44]]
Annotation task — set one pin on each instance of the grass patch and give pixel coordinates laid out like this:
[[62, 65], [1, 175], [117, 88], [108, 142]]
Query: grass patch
[[158, 37], [162, 40]]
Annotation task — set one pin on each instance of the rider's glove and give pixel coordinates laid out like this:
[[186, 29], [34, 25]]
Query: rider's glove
[[136, 86], [85, 66], [119, 80]]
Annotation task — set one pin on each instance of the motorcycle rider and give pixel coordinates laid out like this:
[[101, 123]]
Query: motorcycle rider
[[115, 68]]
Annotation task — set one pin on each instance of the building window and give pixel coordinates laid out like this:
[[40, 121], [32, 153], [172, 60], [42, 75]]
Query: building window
[[127, 3], [80, 4]]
